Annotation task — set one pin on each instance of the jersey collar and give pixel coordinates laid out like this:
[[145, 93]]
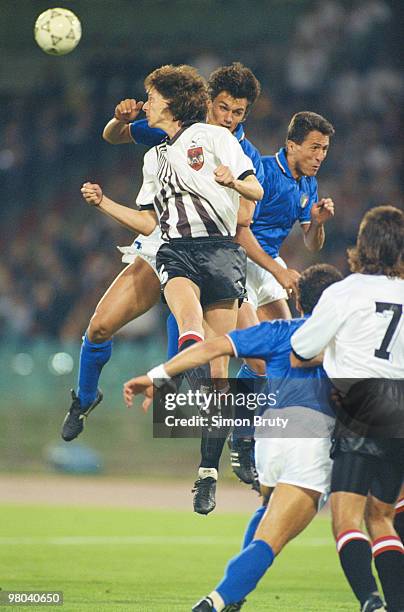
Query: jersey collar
[[239, 132], [282, 162], [182, 129]]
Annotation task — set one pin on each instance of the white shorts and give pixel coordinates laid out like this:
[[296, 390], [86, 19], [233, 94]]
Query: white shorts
[[262, 287], [303, 462], [145, 247]]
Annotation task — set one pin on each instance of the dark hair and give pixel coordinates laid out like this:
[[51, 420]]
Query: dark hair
[[183, 88], [305, 122], [380, 244], [313, 281], [238, 80]]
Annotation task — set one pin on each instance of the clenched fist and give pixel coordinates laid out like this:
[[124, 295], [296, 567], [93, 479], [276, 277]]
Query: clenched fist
[[92, 193], [127, 110]]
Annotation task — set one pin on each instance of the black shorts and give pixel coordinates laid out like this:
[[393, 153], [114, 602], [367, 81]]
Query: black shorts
[[364, 465], [217, 265], [372, 408]]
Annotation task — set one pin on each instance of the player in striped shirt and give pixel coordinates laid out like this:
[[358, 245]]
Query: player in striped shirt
[[192, 186]]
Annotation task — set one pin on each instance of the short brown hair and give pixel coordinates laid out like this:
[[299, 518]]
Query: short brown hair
[[305, 122], [183, 88], [313, 281], [380, 244], [238, 80]]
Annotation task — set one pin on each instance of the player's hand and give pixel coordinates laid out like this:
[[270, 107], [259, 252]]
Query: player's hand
[[322, 211], [92, 193], [224, 176], [127, 110], [136, 386], [288, 278]]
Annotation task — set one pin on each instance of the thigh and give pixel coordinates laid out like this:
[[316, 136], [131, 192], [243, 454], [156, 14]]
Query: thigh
[[182, 296], [247, 317], [278, 309], [134, 291]]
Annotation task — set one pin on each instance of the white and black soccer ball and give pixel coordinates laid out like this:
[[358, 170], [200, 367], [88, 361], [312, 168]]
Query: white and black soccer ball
[[57, 31]]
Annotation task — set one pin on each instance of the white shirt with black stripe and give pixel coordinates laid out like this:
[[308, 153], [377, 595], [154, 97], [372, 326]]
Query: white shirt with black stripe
[[179, 182]]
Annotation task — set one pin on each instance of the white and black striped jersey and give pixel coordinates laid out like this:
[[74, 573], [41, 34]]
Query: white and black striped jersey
[[360, 323], [179, 182]]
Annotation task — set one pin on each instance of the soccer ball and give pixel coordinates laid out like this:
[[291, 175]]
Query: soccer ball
[[57, 31]]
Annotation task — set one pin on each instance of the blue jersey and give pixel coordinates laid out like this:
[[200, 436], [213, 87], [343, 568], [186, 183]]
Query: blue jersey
[[270, 341], [285, 201], [143, 134]]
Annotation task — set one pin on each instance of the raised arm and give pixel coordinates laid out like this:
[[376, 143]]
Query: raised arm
[[117, 130], [314, 234], [142, 222]]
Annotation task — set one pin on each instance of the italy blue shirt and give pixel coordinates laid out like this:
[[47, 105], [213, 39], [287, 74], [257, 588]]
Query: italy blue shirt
[[286, 200], [270, 340], [143, 134]]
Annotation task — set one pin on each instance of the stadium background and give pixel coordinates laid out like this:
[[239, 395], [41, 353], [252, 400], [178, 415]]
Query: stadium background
[[338, 58]]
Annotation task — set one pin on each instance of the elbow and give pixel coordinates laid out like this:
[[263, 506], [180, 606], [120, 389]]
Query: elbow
[[295, 362], [108, 138], [260, 193]]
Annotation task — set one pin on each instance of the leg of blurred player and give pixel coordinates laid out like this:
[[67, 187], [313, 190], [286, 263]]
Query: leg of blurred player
[[219, 319], [125, 300], [353, 546], [388, 551], [290, 511], [253, 379], [367, 485]]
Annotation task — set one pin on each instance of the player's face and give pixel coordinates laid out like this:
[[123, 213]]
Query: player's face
[[308, 156], [227, 111], [156, 108]]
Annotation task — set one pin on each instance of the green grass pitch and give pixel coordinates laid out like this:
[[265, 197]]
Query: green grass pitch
[[156, 561]]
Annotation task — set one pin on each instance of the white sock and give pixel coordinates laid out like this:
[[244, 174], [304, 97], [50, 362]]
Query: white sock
[[207, 473], [217, 601]]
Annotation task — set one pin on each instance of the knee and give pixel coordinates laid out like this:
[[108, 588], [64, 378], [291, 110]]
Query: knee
[[345, 519], [378, 516], [98, 329]]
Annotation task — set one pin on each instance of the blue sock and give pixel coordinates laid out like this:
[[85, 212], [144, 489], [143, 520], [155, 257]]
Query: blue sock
[[244, 571], [93, 357], [172, 336], [252, 526], [252, 383]]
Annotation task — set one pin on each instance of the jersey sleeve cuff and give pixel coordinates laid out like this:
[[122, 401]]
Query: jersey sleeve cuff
[[300, 357], [146, 207], [245, 174], [232, 344]]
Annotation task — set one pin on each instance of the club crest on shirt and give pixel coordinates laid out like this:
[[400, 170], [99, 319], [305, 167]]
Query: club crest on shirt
[[195, 157], [304, 199]]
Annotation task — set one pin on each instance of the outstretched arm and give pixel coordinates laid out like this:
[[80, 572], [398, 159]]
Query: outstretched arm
[[117, 130], [196, 355], [286, 277], [142, 222]]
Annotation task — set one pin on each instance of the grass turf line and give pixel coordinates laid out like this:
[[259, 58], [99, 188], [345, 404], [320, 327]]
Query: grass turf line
[[154, 561]]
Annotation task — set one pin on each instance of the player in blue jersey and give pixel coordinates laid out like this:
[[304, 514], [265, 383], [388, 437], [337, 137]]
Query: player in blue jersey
[[290, 196], [296, 471]]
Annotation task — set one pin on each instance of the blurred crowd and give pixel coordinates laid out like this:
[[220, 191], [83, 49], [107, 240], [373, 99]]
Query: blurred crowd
[[58, 255]]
